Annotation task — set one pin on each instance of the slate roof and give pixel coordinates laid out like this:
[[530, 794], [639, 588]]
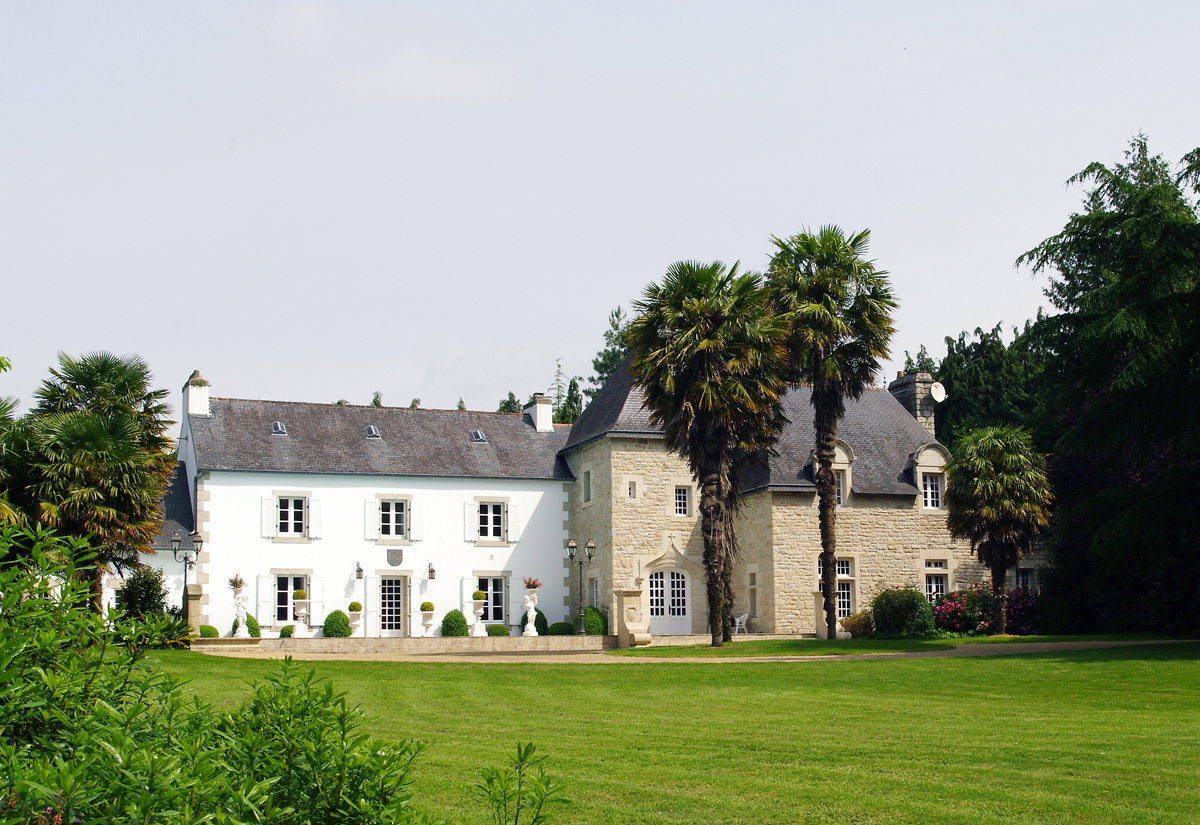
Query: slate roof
[[177, 512], [331, 438], [877, 428]]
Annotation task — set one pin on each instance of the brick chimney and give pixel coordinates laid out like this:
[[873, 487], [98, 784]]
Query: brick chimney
[[914, 393]]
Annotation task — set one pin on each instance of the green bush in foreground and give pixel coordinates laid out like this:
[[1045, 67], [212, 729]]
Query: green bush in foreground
[[561, 629], [902, 612], [207, 631], [498, 630], [454, 623], [337, 625], [595, 622]]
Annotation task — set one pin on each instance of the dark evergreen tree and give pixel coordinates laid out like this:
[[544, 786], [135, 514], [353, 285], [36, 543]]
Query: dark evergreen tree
[[615, 347]]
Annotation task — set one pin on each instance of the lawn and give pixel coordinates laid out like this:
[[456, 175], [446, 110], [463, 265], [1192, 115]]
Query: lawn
[[1104, 736]]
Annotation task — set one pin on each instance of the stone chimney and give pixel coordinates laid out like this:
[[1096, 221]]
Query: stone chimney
[[541, 413], [914, 392], [195, 396]]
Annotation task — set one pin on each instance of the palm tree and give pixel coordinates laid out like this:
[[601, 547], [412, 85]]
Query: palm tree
[[708, 353], [998, 496], [838, 312]]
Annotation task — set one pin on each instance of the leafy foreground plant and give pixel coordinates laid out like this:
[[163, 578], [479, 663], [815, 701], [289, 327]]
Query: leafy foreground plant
[[90, 734], [520, 792]]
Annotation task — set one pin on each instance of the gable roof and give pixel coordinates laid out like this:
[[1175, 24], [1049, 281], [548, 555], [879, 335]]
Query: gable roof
[[332, 438], [877, 428], [176, 505]]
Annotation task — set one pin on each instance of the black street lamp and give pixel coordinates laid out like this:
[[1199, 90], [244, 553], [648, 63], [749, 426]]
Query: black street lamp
[[187, 557], [590, 549]]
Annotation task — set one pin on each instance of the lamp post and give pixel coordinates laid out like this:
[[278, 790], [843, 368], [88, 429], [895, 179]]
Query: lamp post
[[187, 557], [590, 549]]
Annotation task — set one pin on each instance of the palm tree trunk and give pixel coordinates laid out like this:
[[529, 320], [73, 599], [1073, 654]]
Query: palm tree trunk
[[826, 427], [999, 600], [727, 586], [712, 524]]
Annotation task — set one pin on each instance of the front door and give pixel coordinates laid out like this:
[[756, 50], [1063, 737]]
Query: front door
[[392, 608], [670, 595]]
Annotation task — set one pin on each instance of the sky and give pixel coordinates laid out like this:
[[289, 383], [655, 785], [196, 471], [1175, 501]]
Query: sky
[[312, 201]]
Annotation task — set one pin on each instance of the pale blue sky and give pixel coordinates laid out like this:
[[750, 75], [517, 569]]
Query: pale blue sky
[[312, 201]]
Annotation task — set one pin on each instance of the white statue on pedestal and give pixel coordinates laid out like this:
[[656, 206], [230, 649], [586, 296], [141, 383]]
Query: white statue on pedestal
[[242, 604], [530, 613]]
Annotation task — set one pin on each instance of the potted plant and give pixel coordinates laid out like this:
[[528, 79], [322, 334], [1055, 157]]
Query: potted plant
[[354, 613], [480, 600], [533, 585], [236, 583], [300, 608], [427, 617]]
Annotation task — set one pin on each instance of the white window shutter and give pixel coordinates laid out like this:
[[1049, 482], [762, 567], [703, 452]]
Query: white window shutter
[[514, 523], [471, 516], [416, 523], [371, 603], [266, 601], [314, 519], [269, 516], [371, 519], [316, 601]]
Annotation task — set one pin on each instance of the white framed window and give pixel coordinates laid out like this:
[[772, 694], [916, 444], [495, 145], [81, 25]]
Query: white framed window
[[935, 585], [293, 513], [393, 519], [495, 590], [285, 588], [683, 501], [1025, 578], [845, 584], [491, 521], [595, 592], [931, 488], [839, 477]]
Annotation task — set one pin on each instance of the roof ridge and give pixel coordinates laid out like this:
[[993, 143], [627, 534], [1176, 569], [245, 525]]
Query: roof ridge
[[362, 406]]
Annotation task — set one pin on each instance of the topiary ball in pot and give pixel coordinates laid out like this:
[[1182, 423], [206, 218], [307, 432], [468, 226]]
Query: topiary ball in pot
[[454, 623], [426, 607], [902, 612], [337, 625], [355, 607], [595, 622], [539, 623], [498, 630]]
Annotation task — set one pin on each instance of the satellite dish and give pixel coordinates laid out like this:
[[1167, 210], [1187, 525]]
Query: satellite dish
[[938, 392]]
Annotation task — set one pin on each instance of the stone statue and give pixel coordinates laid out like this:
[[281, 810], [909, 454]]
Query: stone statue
[[530, 614], [242, 604]]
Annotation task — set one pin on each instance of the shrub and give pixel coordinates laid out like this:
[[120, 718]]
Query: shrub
[[479, 596], [1023, 612], [251, 625], [966, 611], [539, 623], [454, 623], [561, 629], [426, 607], [859, 624], [300, 595], [498, 630], [337, 625], [594, 622], [285, 632], [355, 607], [143, 593], [902, 612], [207, 631]]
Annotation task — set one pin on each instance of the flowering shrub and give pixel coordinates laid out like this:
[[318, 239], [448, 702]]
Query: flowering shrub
[[965, 611], [236, 581], [532, 584], [1022, 612], [859, 624]]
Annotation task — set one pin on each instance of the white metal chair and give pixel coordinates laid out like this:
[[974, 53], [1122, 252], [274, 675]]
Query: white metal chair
[[739, 623]]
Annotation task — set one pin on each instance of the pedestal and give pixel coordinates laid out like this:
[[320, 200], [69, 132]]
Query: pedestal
[[479, 629]]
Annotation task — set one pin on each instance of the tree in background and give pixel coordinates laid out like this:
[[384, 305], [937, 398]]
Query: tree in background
[[922, 363], [462, 406], [509, 405], [708, 354], [377, 399], [609, 359], [414, 405], [1124, 377], [998, 498], [572, 406], [837, 307]]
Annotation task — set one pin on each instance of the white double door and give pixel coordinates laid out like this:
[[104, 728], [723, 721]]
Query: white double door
[[670, 603], [387, 606]]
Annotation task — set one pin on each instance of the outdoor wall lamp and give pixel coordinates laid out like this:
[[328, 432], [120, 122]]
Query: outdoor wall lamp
[[590, 550], [432, 572], [358, 571]]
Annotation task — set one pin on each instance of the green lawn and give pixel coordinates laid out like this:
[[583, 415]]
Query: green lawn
[[1089, 737]]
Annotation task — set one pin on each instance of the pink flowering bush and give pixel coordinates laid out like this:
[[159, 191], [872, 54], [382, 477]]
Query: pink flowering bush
[[966, 611], [1022, 612]]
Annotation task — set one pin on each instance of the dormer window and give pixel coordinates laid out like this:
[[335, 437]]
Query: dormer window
[[278, 428], [373, 432], [478, 437]]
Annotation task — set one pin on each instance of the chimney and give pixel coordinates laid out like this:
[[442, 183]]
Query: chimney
[[540, 413], [195, 396], [914, 392]]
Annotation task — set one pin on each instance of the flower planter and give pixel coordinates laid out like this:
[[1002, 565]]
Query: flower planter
[[479, 629], [355, 617], [301, 631], [427, 623]]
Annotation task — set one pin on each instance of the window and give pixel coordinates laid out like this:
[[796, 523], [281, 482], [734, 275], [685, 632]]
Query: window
[[285, 586], [932, 488], [936, 578], [493, 589], [682, 501], [391, 603], [491, 521], [633, 489], [840, 486], [587, 485], [1025, 579], [373, 431], [291, 516], [393, 519], [845, 584], [595, 592], [668, 597], [753, 596]]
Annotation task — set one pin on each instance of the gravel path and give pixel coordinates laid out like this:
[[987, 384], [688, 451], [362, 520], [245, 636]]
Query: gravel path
[[572, 658]]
